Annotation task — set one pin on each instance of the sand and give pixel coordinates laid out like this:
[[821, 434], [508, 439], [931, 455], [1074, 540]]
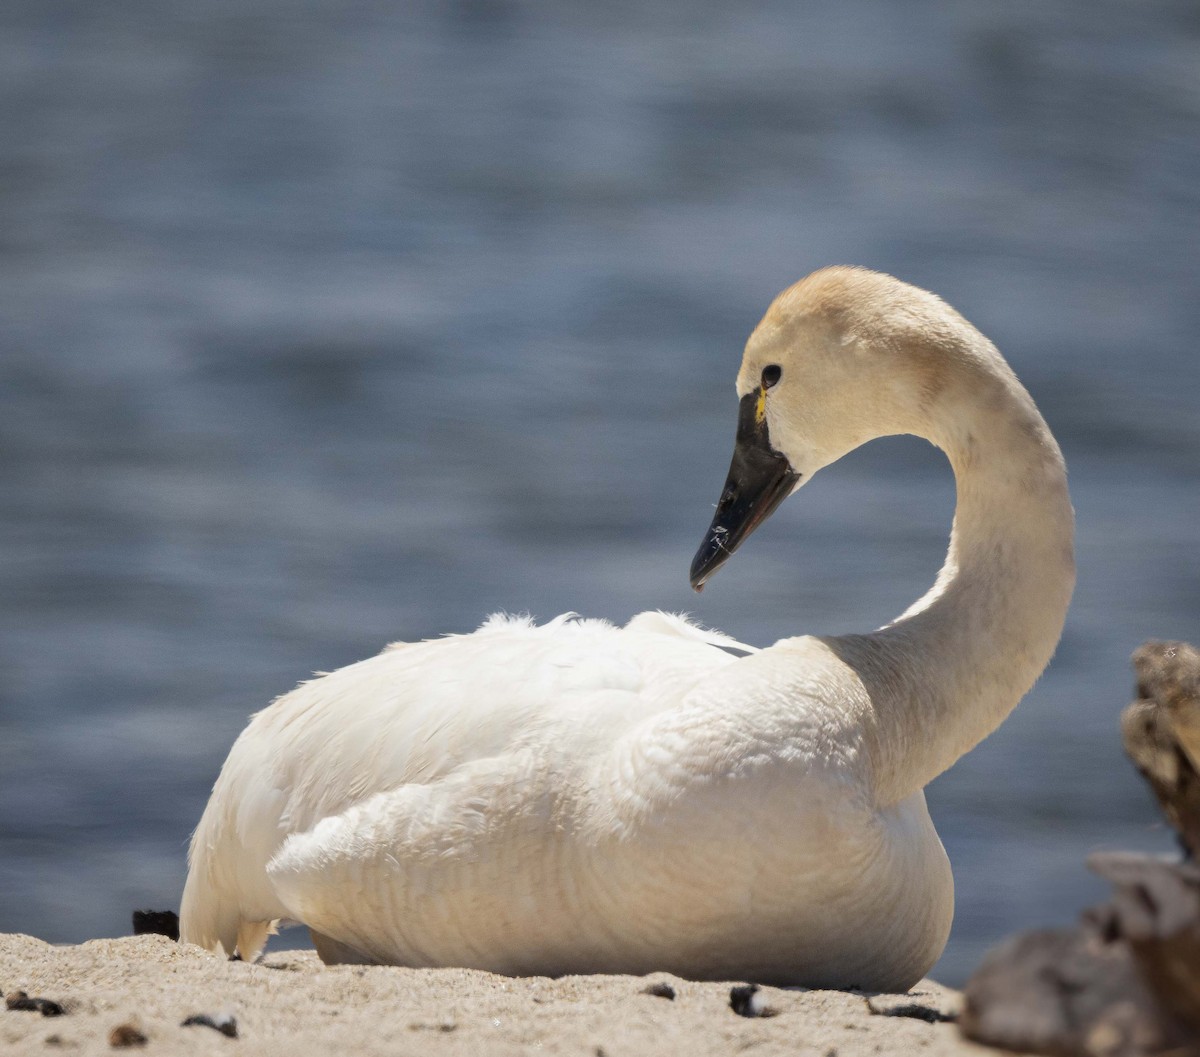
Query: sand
[[290, 1004]]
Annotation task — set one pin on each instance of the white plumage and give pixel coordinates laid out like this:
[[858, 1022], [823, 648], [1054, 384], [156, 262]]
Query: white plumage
[[579, 797]]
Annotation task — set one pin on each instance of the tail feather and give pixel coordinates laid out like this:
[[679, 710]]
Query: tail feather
[[228, 903], [207, 916]]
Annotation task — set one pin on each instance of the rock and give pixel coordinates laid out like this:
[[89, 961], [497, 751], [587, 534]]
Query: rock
[[157, 923], [660, 989]]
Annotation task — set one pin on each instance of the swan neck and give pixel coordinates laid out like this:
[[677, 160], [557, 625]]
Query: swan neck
[[947, 672]]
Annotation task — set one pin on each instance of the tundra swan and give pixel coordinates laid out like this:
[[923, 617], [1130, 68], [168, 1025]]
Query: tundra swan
[[579, 797]]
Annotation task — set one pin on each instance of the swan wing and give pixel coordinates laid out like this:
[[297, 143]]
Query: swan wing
[[406, 751]]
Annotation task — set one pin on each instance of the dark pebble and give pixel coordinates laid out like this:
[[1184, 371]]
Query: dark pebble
[[126, 1035], [662, 989], [916, 1011], [19, 1000], [226, 1025]]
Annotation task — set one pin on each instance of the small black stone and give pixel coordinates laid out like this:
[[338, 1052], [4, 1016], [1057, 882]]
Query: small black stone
[[156, 923], [744, 1004], [225, 1025], [19, 1000], [661, 989], [916, 1011]]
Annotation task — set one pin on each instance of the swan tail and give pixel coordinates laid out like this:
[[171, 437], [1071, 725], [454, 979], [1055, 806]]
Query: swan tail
[[208, 917], [228, 903]]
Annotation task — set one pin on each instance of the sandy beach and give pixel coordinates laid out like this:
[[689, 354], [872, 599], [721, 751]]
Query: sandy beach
[[290, 1004]]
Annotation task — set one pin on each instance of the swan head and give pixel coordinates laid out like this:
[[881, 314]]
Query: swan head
[[842, 357]]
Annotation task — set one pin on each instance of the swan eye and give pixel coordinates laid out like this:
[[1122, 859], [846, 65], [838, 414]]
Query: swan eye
[[771, 374]]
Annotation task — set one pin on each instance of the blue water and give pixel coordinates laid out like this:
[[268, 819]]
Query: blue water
[[328, 324]]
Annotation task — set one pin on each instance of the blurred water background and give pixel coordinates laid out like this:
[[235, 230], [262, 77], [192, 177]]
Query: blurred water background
[[329, 323]]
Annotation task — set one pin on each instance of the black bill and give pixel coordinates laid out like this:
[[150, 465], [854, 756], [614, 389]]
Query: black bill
[[760, 478]]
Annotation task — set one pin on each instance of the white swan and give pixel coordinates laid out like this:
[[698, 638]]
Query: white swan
[[584, 798]]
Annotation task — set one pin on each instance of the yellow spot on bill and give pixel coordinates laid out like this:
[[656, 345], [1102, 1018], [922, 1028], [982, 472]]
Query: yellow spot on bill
[[760, 409]]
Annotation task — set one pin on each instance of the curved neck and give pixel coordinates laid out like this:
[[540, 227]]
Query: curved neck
[[948, 671]]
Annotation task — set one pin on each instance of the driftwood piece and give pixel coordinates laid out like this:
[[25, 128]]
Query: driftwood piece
[[1126, 981], [1156, 911], [1070, 993], [1161, 732]]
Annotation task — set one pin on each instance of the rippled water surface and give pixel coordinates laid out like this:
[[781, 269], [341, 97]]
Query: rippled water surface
[[329, 324]]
